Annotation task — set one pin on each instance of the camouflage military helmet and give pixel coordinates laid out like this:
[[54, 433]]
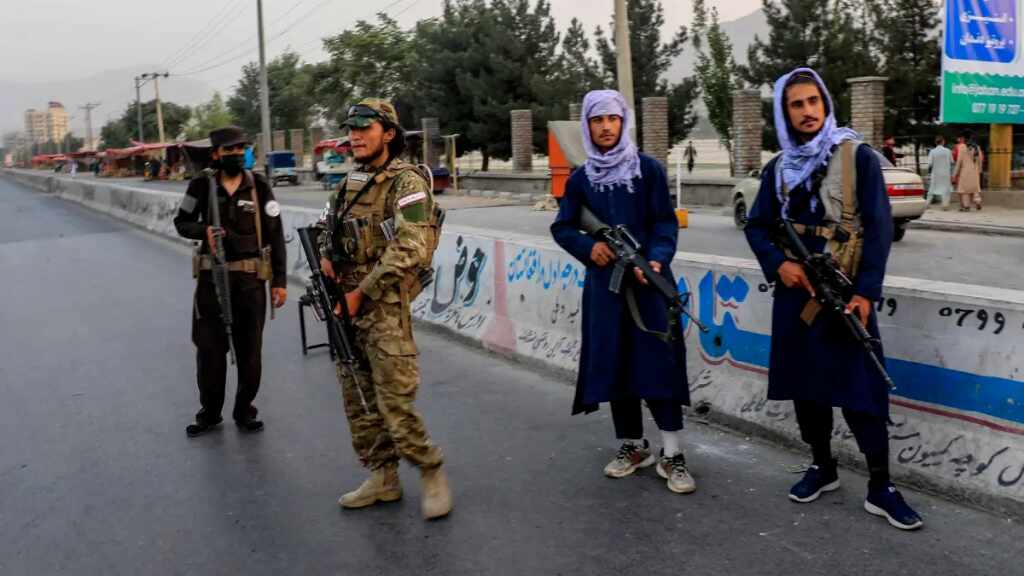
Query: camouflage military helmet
[[363, 114]]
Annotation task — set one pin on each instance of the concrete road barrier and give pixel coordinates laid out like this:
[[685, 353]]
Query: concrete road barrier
[[955, 351]]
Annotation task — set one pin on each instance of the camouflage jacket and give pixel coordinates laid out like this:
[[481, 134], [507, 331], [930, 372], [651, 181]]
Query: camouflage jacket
[[385, 237]]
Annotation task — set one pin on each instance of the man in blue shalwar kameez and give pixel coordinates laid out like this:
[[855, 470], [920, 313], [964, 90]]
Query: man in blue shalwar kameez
[[814, 361], [622, 362]]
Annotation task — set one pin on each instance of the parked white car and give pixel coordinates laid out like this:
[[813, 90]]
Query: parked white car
[[904, 187]]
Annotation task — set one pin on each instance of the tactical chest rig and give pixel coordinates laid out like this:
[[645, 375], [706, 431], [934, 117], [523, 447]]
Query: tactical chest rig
[[361, 232], [843, 229]]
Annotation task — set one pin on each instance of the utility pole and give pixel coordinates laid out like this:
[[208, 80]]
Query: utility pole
[[159, 109], [89, 107], [138, 107], [264, 92], [624, 57]]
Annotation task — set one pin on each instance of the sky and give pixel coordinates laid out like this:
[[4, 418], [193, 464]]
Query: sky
[[49, 40]]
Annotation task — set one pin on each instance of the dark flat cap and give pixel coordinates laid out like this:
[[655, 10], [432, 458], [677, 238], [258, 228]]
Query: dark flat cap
[[228, 136]]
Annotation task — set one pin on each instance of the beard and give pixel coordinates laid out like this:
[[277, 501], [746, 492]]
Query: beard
[[373, 156]]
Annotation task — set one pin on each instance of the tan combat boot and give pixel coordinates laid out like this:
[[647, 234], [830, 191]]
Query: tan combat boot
[[381, 486], [437, 498]]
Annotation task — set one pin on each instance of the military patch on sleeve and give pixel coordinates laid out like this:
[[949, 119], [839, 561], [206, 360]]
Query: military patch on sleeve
[[273, 209], [413, 207], [188, 203]]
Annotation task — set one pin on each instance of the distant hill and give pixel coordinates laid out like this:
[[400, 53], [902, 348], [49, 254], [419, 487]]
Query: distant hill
[[741, 32], [114, 89]]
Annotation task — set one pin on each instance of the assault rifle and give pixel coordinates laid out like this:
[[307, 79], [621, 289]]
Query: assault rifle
[[833, 289], [219, 268], [628, 256], [324, 296]]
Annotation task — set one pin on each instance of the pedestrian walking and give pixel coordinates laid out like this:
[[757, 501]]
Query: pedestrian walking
[[967, 174], [691, 156], [940, 162]]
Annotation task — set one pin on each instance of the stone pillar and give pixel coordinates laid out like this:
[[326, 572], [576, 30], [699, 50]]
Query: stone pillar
[[279, 143], [298, 137], [747, 126], [1000, 155], [316, 134], [431, 138], [257, 148], [522, 140], [867, 108], [655, 113], [575, 111]]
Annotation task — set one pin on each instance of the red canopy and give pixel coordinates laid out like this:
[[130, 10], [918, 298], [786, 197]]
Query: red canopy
[[339, 145], [44, 158]]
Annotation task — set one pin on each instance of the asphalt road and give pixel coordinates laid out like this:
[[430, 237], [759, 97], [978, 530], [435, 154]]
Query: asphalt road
[[97, 476]]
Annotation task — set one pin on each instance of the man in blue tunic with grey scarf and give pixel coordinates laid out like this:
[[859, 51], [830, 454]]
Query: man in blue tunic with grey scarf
[[830, 186], [631, 351]]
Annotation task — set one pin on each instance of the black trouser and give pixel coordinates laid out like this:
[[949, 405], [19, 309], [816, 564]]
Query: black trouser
[[249, 307], [815, 422], [629, 420]]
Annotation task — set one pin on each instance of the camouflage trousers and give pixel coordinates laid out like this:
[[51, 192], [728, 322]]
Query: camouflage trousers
[[388, 427]]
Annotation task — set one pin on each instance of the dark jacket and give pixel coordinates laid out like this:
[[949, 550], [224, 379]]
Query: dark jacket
[[617, 360], [822, 362], [237, 219]]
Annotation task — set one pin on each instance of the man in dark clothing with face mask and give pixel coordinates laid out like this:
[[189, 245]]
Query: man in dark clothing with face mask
[[250, 219]]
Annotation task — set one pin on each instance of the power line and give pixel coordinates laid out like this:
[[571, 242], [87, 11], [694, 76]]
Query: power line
[[189, 47], [378, 11], [216, 25], [244, 51]]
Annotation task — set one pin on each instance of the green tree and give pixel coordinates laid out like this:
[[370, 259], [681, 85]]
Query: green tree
[[908, 33], [207, 117], [716, 71], [825, 35], [370, 60], [292, 101], [122, 132], [115, 134], [651, 59], [502, 59], [444, 63], [577, 70]]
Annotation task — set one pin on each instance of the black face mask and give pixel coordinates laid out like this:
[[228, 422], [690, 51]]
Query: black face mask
[[232, 165]]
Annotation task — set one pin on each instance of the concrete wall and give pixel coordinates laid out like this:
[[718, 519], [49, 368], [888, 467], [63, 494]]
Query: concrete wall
[[515, 182], [958, 411], [955, 351]]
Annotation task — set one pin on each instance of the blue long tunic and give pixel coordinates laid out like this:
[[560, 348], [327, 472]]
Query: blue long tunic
[[617, 359], [821, 362]]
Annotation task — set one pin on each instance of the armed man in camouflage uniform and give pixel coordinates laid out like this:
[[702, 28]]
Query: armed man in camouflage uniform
[[376, 244]]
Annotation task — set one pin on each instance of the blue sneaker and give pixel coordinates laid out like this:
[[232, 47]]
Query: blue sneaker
[[815, 481], [889, 504]]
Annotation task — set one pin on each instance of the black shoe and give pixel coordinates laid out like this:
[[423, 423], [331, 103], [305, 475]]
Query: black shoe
[[200, 428], [888, 503], [815, 481], [249, 425]]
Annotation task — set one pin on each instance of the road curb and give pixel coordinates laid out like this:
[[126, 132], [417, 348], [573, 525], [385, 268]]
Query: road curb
[[984, 229]]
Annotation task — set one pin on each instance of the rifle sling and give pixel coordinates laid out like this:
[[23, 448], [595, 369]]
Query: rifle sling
[[634, 311]]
